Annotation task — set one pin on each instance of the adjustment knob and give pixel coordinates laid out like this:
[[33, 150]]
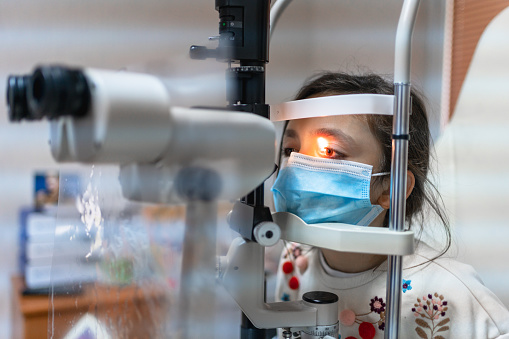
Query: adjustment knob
[[267, 233]]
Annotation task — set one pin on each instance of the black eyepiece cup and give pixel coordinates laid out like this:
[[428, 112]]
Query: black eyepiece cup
[[56, 91], [17, 97]]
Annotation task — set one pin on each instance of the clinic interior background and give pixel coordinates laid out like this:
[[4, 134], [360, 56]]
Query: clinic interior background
[[154, 36]]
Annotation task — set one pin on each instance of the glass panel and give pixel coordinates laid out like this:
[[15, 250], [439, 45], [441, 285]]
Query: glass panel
[[115, 269]]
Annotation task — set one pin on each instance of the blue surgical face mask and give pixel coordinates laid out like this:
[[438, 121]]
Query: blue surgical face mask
[[320, 190]]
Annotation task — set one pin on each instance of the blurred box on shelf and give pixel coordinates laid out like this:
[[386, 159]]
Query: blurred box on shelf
[[52, 246]]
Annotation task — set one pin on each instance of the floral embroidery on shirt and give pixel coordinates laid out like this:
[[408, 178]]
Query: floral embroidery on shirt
[[428, 311], [293, 251], [377, 305], [406, 285], [367, 329], [293, 264]]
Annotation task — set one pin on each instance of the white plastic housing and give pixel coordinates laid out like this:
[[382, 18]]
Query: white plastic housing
[[238, 147], [344, 237], [242, 272], [129, 121]]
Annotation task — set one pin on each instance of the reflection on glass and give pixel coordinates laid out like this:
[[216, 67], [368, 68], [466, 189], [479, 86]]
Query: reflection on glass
[[123, 277]]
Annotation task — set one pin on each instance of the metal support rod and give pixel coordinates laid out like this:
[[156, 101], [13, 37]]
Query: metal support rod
[[246, 92], [398, 202], [399, 165], [403, 47], [275, 13], [244, 38], [197, 288]]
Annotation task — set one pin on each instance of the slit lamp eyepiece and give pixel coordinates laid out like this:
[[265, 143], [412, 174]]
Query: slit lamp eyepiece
[[50, 91], [17, 97]]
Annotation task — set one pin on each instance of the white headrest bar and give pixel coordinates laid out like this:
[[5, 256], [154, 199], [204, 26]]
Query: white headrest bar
[[333, 105]]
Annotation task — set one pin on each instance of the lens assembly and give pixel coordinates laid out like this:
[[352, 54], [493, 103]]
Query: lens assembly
[[58, 91], [51, 91], [17, 97]]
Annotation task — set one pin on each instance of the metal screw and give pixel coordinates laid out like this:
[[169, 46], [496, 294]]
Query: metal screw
[[287, 334]]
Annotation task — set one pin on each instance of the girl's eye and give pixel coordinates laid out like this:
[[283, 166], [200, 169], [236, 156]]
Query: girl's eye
[[287, 151], [328, 151], [325, 150], [331, 153]]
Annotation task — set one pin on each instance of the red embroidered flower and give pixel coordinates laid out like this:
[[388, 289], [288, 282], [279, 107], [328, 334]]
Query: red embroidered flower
[[293, 283], [367, 330], [287, 267]]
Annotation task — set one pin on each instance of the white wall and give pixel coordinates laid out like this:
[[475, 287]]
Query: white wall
[[154, 35], [474, 160]]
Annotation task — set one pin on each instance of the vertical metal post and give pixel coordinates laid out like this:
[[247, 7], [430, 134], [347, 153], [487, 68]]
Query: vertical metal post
[[398, 200], [244, 38], [246, 90], [198, 278], [399, 163]]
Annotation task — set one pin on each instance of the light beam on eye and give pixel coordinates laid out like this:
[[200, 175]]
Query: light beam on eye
[[322, 143]]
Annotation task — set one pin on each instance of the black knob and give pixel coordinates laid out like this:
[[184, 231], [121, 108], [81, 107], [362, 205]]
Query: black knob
[[201, 52], [320, 297]]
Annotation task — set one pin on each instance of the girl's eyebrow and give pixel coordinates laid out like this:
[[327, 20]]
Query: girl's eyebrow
[[290, 133], [336, 134]]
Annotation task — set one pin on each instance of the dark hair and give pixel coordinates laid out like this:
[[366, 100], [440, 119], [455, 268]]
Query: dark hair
[[419, 154]]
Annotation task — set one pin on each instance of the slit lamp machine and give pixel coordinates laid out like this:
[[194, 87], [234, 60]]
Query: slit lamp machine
[[172, 155]]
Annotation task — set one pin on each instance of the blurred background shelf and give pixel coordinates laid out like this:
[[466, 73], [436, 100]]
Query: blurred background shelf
[[125, 312]]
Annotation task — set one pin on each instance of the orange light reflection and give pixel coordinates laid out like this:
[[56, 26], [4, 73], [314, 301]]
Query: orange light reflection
[[322, 144]]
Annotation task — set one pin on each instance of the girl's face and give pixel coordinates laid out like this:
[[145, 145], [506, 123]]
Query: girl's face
[[344, 137]]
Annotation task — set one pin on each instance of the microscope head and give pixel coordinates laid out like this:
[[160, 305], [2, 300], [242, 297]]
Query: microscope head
[[123, 118], [96, 116]]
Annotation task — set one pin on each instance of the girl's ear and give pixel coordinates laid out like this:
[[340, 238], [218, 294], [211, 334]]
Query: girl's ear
[[410, 183], [385, 199]]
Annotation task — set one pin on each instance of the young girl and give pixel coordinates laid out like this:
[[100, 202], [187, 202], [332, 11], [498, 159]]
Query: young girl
[[441, 298]]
